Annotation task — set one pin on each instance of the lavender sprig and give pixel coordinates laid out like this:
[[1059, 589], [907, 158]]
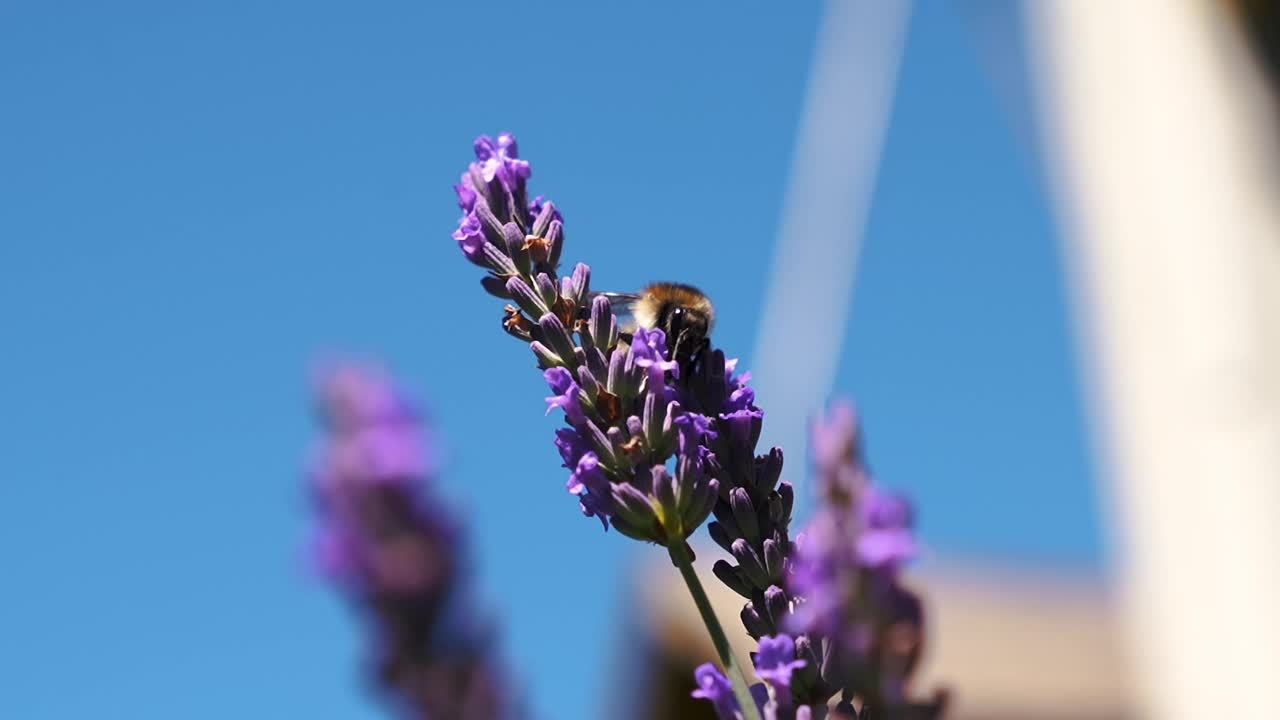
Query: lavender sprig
[[392, 550], [630, 409], [637, 458], [632, 452], [849, 598]]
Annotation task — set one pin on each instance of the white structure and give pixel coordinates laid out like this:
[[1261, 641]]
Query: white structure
[[1166, 170]]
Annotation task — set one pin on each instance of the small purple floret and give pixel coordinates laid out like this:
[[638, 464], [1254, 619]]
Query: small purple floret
[[714, 686], [776, 660], [566, 395]]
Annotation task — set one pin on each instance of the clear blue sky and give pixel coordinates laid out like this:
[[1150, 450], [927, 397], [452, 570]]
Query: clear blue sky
[[196, 201]]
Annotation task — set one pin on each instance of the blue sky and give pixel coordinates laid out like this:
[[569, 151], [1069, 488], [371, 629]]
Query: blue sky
[[197, 202]]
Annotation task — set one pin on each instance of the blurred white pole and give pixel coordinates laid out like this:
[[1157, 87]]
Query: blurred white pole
[[1165, 169], [833, 171]]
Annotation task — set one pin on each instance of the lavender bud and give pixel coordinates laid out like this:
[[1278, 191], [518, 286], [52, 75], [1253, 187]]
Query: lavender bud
[[617, 438], [733, 579], [773, 560], [588, 383], [653, 417], [776, 510], [756, 625], [669, 421], [724, 515], [811, 674], [603, 328], [495, 286], [527, 299], [594, 360], [744, 514], [690, 479], [775, 601], [788, 495], [720, 537], [546, 358], [768, 470], [805, 650], [664, 492], [489, 224], [546, 289], [635, 427], [498, 260], [626, 528], [476, 180], [601, 445], [579, 283], [749, 563], [700, 504], [555, 239], [633, 507], [558, 338], [513, 240], [543, 221], [618, 384]]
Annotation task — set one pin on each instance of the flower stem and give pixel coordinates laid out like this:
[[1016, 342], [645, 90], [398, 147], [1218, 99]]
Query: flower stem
[[683, 560]]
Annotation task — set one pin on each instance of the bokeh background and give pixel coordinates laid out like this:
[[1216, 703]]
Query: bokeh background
[[198, 202]]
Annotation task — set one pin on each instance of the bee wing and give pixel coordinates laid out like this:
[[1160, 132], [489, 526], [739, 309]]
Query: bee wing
[[623, 306]]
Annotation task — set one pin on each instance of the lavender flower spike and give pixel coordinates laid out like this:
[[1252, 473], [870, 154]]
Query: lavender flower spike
[[626, 445], [844, 578], [639, 441], [393, 551]]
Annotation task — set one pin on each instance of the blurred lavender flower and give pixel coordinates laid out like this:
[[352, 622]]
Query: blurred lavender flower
[[631, 450], [394, 552], [714, 686], [845, 579], [774, 662]]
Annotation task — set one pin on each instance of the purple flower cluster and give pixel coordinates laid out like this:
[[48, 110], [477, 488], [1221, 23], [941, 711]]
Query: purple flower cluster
[[393, 551], [635, 456], [775, 661], [846, 582]]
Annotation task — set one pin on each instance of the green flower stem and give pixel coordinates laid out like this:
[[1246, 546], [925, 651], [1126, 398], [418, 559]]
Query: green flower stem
[[683, 560]]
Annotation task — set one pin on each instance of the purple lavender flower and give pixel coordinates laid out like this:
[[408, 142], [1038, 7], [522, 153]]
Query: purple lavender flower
[[714, 686], [627, 446], [470, 237], [500, 160], [774, 663], [886, 541], [845, 580], [776, 660], [393, 550]]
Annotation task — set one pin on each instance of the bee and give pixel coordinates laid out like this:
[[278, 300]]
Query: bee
[[682, 312]]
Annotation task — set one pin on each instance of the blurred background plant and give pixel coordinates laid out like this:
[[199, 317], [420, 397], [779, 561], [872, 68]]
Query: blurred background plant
[[391, 548]]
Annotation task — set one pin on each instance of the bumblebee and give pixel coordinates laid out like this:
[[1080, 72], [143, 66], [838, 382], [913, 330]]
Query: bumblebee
[[682, 312]]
